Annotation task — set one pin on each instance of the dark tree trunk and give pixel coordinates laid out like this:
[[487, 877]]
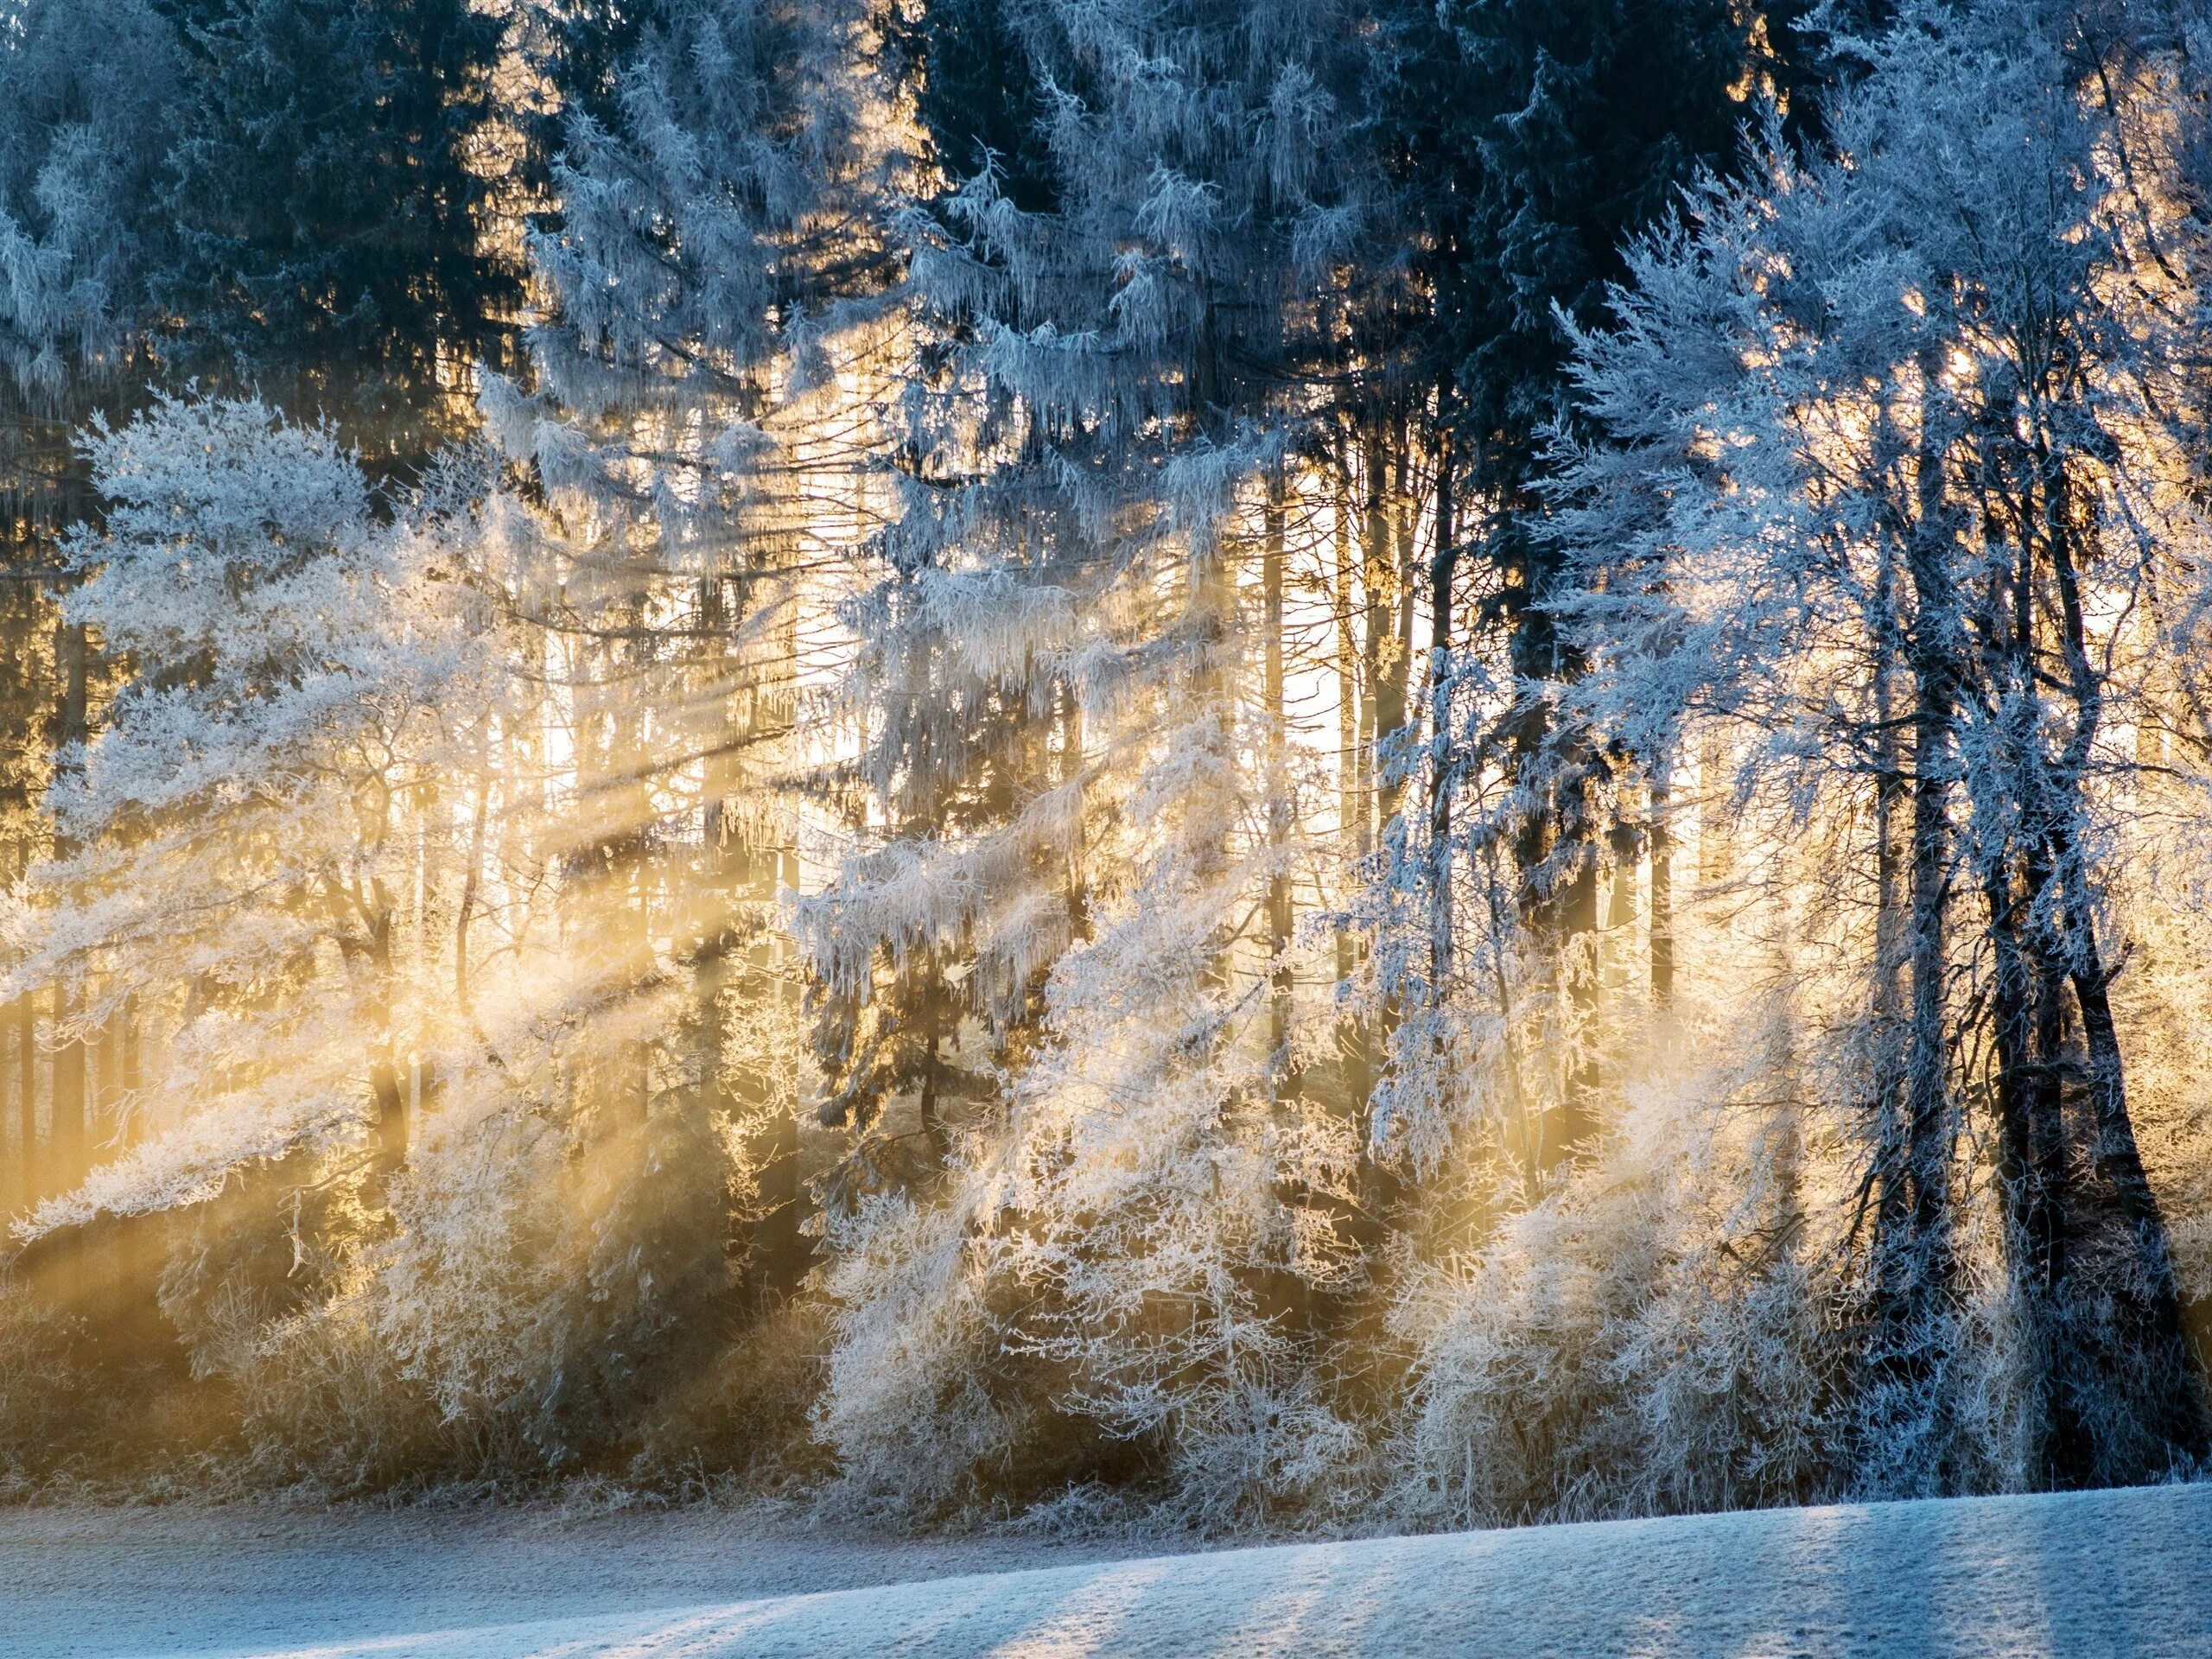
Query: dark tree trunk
[[2032, 1175], [65, 1160], [1278, 804], [1443, 573], [1915, 1263], [1574, 933], [2171, 1376], [388, 1128], [2156, 1363]]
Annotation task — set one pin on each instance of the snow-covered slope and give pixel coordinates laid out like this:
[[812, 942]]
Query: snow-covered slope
[[2107, 1573]]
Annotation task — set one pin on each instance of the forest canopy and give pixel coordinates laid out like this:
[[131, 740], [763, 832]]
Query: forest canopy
[[1245, 763]]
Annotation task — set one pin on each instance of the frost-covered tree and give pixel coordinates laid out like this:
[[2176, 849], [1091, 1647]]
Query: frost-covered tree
[[701, 426], [1076, 792], [1102, 794], [1893, 466], [1526, 143], [238, 857], [89, 101]]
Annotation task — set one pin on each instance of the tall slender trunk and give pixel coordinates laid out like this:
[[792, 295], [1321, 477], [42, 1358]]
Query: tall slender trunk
[[1379, 715], [1278, 776], [1379, 1185], [1352, 721], [712, 953], [472, 880], [1663, 884], [389, 1088], [1892, 861], [65, 1159], [139, 1250], [65, 1162], [388, 1128], [28, 1188], [1574, 941], [1443, 573], [2026, 1038], [1624, 842], [2027, 1032], [1369, 670], [2172, 1371], [1071, 764], [1715, 860], [1915, 1264], [2149, 1289], [1927, 1114], [1394, 652], [1916, 1267]]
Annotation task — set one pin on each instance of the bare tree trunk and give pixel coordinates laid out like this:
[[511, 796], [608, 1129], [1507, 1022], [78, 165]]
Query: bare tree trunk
[[139, 1249], [1892, 861], [2148, 1290], [1381, 712], [1394, 650], [388, 1132], [2032, 1173], [66, 1143], [472, 878], [1929, 1129], [1663, 885], [1443, 573], [2173, 1372], [781, 1253], [2027, 1032], [1714, 863], [1278, 900], [28, 1173], [1624, 841], [1380, 1186], [1916, 1267], [1071, 765], [1574, 910], [1352, 722]]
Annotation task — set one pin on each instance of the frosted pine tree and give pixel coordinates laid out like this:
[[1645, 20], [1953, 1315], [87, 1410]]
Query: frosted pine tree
[[697, 424], [89, 96], [1072, 780]]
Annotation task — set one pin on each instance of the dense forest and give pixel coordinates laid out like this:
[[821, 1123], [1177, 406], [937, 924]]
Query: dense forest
[[1235, 764]]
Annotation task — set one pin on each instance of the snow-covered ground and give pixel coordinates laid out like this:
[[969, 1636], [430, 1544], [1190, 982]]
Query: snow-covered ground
[[2105, 1573]]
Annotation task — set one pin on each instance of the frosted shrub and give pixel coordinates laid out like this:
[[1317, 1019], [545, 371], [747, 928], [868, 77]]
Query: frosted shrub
[[547, 1279], [321, 1405], [907, 1402], [37, 1386], [1631, 1343], [1113, 1289]]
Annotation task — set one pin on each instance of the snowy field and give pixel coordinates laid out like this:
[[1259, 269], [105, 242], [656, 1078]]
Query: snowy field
[[2108, 1573]]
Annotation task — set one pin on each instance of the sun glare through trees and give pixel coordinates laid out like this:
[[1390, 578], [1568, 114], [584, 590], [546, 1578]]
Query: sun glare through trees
[[1230, 764]]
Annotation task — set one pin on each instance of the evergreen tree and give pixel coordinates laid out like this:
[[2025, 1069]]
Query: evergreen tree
[[720, 258], [977, 96], [1528, 142], [329, 216], [1072, 795], [87, 102]]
